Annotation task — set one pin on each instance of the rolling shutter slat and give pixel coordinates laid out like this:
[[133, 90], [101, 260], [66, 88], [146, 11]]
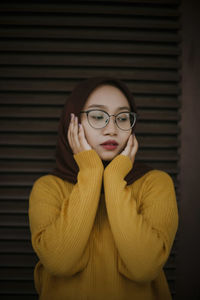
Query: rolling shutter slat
[[92, 60], [60, 73], [51, 126], [50, 140], [49, 99]]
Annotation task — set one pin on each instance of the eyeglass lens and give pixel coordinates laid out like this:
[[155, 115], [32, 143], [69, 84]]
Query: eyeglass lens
[[99, 119]]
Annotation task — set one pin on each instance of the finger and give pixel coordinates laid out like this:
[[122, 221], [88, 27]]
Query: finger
[[70, 133], [128, 147], [134, 148], [82, 139], [130, 143], [75, 137], [69, 137]]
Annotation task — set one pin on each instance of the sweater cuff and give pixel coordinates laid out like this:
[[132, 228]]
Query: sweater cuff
[[120, 165], [88, 159]]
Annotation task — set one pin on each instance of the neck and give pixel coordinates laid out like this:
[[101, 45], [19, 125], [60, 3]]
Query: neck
[[105, 163]]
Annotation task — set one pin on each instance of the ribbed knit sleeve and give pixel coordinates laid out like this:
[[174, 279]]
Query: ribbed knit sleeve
[[61, 221], [143, 223]]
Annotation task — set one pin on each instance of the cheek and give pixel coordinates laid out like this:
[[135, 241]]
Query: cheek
[[124, 139]]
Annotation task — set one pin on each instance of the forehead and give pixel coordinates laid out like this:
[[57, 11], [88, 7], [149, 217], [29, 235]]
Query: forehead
[[108, 96]]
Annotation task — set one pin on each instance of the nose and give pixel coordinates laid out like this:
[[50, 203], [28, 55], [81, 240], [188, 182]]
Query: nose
[[111, 127]]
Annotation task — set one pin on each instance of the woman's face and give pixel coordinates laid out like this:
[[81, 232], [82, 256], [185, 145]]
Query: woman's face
[[110, 140]]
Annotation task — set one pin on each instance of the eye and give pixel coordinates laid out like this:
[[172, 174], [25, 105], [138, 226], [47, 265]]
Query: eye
[[123, 118], [97, 117]]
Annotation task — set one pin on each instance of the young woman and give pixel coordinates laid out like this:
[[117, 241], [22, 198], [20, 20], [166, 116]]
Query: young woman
[[102, 223]]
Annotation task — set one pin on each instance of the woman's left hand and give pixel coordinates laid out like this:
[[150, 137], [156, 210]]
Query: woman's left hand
[[131, 148]]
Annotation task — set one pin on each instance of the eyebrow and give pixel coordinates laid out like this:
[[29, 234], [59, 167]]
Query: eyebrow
[[104, 106]]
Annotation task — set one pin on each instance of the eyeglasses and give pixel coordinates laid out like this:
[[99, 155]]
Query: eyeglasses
[[99, 119]]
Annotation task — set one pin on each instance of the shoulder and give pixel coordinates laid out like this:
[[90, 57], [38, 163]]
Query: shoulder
[[157, 183], [49, 189], [155, 179], [158, 176], [47, 180], [155, 189], [50, 183]]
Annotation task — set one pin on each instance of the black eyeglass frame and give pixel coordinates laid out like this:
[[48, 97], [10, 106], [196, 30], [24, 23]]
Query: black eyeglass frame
[[130, 112]]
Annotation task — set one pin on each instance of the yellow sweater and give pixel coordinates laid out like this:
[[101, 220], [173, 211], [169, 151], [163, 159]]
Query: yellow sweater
[[103, 247]]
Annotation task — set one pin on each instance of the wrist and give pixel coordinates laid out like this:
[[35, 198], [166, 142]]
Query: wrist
[[119, 166], [88, 159]]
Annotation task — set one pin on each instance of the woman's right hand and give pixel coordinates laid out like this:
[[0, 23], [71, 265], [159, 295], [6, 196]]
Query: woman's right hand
[[76, 136]]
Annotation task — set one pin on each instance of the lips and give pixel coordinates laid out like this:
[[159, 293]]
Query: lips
[[110, 142], [110, 145]]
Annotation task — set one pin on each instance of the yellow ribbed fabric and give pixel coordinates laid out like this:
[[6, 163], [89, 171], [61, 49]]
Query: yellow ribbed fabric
[[103, 247]]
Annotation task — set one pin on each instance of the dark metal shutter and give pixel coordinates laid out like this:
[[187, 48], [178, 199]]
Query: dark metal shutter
[[45, 49]]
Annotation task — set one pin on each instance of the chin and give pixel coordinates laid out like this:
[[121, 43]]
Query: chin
[[107, 156]]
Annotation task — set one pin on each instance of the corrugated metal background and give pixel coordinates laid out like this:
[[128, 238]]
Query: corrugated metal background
[[46, 48]]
